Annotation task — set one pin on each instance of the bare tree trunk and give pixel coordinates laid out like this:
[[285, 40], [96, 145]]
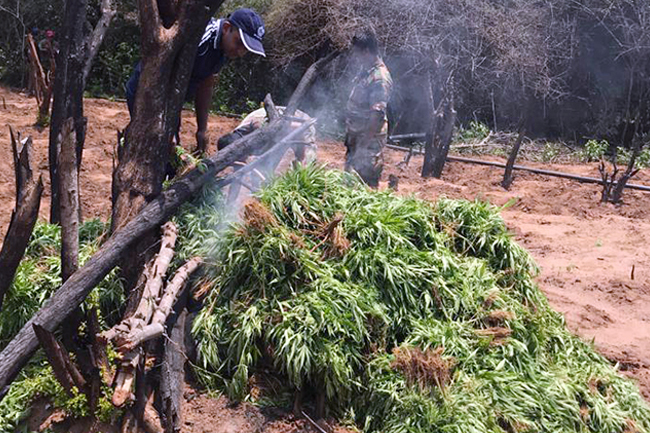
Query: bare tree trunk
[[167, 57], [432, 132], [69, 196], [507, 176], [24, 216], [447, 133], [95, 40], [68, 94]]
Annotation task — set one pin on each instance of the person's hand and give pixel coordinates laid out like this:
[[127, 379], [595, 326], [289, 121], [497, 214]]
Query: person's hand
[[202, 141]]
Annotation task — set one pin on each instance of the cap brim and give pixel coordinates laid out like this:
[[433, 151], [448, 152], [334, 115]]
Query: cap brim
[[253, 45]]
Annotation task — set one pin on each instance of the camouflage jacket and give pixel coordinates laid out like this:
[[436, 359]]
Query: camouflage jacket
[[369, 95]]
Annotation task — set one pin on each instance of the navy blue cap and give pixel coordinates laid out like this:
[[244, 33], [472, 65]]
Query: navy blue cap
[[251, 29]]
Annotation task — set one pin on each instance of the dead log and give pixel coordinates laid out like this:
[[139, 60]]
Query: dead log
[[69, 200], [64, 370], [172, 372], [157, 326], [507, 175], [131, 356], [271, 111], [274, 153], [24, 216]]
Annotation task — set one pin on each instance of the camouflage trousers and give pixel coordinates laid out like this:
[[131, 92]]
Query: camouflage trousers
[[365, 156]]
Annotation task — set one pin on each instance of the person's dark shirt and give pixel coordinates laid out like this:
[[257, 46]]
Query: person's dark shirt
[[208, 61]]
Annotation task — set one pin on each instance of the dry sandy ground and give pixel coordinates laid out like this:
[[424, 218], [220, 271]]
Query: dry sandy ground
[[595, 264]]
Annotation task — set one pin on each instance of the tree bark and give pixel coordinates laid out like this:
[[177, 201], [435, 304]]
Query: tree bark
[[24, 216], [68, 94], [507, 175], [172, 372], [444, 140], [167, 58], [69, 201], [95, 40], [431, 134]]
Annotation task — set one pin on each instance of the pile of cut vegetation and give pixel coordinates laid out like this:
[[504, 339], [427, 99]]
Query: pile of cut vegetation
[[393, 313]]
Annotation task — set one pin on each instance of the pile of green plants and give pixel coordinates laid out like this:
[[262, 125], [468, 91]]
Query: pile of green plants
[[37, 278], [406, 316]]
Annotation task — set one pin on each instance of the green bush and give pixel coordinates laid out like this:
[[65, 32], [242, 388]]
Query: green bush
[[594, 150], [473, 132]]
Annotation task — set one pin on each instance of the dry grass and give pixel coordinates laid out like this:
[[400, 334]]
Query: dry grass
[[498, 317], [426, 369], [256, 217]]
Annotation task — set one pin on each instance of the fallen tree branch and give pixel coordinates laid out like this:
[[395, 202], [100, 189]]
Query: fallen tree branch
[[262, 160], [157, 326], [24, 216], [154, 273]]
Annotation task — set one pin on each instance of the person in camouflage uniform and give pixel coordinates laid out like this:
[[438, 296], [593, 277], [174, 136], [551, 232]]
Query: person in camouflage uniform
[[366, 121]]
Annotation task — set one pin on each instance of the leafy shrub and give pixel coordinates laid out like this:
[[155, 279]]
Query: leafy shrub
[[594, 150], [475, 131]]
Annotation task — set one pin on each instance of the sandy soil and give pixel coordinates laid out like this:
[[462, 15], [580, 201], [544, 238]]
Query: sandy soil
[[595, 264]]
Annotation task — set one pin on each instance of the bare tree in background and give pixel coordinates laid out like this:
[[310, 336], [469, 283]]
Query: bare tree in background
[[77, 50]]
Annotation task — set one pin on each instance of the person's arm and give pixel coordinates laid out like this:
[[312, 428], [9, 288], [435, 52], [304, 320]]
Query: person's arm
[[202, 106]]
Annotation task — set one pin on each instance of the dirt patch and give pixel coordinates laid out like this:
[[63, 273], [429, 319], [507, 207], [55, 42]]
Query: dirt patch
[[105, 118], [203, 414]]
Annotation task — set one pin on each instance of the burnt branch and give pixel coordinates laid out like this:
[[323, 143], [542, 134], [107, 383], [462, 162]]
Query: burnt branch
[[24, 216], [64, 370]]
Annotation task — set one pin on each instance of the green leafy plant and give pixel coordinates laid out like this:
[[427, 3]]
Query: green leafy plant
[[419, 317], [594, 150], [474, 131], [37, 277]]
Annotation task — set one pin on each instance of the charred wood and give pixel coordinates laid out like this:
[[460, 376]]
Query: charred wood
[[64, 370], [507, 176], [24, 216]]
